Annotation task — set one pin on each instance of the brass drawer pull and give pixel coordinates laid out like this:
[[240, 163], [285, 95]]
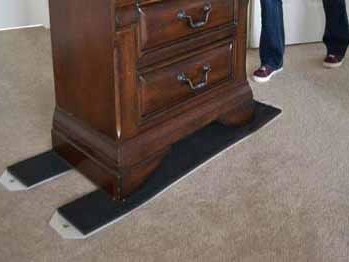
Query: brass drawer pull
[[182, 77], [182, 15]]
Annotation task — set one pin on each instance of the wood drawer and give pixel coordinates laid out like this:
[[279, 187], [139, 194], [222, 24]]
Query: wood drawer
[[165, 87], [166, 21]]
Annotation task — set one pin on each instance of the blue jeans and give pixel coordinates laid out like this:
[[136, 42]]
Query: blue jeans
[[272, 43]]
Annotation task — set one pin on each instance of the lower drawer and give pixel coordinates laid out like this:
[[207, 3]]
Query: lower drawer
[[170, 85]]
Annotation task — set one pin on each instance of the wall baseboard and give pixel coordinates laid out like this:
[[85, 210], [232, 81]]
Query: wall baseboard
[[21, 27]]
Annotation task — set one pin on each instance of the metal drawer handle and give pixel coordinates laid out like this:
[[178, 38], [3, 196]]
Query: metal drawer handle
[[182, 15], [182, 77]]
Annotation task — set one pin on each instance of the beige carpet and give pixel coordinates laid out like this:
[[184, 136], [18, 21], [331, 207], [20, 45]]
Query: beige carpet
[[281, 195]]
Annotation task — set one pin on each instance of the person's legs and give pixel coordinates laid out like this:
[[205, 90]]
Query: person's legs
[[272, 42], [336, 37]]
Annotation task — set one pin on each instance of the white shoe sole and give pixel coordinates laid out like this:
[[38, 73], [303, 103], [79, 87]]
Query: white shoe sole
[[266, 79], [333, 65]]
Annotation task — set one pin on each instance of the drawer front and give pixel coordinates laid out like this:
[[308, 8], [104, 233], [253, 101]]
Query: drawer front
[[166, 21], [168, 86]]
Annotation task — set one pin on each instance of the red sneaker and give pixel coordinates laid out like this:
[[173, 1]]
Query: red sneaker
[[333, 61], [264, 74]]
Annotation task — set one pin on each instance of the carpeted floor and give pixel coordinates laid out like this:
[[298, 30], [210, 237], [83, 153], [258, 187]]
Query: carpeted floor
[[281, 195]]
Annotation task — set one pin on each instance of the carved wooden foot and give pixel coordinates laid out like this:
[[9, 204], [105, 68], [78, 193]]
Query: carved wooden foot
[[132, 178], [238, 117], [117, 180]]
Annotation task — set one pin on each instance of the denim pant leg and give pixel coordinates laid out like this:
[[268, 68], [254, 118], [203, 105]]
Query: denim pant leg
[[272, 42], [336, 37]]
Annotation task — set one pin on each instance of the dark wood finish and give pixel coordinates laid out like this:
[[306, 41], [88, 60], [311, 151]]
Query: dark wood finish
[[159, 24], [238, 116], [161, 89], [82, 49], [181, 48], [119, 103]]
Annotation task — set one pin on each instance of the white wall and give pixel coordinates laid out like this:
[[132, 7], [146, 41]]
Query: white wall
[[304, 21], [18, 13]]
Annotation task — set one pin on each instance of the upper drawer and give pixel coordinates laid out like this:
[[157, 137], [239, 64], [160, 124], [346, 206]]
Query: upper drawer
[[169, 20]]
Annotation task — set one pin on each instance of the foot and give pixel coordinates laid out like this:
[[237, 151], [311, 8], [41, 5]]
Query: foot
[[333, 61], [264, 74]]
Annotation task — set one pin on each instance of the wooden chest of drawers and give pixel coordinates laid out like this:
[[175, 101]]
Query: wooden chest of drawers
[[134, 77]]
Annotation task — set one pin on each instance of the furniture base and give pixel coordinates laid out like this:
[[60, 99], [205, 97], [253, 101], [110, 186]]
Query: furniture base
[[119, 182], [239, 116], [122, 167]]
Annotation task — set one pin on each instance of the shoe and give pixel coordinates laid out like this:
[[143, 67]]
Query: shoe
[[333, 61], [264, 74]]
